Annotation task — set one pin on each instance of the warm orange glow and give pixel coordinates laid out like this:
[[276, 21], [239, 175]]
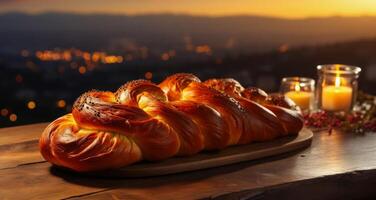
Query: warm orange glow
[[286, 8], [4, 112], [86, 56], [283, 48], [203, 49], [67, 56], [113, 59], [82, 70], [337, 97], [61, 103], [13, 117], [31, 105], [49, 55], [148, 75], [119, 59], [96, 56], [92, 59]]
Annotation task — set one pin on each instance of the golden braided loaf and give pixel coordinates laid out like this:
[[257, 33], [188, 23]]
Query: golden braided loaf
[[181, 116]]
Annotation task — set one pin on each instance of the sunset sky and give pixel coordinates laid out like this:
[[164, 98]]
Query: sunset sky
[[277, 8]]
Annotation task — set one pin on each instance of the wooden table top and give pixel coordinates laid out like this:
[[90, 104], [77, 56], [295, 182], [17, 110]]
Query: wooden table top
[[349, 160]]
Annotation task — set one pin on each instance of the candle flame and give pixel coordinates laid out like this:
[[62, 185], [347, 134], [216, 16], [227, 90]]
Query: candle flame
[[338, 81], [297, 87]]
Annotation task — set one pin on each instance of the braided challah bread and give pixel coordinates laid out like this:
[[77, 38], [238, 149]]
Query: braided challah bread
[[179, 117]]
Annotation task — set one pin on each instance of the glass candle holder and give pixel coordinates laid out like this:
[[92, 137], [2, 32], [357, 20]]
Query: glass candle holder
[[337, 87], [300, 90]]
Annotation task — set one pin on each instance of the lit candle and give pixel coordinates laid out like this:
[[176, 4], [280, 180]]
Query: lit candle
[[337, 97], [301, 98]]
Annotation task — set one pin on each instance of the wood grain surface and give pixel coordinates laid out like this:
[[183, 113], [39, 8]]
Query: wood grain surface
[[343, 162]]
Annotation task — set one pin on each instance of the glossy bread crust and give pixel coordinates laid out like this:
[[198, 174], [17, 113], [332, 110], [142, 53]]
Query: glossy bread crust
[[179, 117]]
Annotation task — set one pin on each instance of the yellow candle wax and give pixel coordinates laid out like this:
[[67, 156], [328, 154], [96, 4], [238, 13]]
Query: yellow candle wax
[[301, 98], [336, 98]]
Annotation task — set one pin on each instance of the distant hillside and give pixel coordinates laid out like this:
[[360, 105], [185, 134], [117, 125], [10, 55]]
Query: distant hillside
[[241, 33]]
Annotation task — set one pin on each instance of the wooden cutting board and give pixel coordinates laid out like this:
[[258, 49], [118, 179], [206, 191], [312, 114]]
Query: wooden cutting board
[[205, 160]]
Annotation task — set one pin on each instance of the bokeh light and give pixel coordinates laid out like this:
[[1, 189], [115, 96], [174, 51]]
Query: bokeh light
[[4, 112], [31, 105], [61, 103], [13, 117], [148, 75], [82, 70]]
